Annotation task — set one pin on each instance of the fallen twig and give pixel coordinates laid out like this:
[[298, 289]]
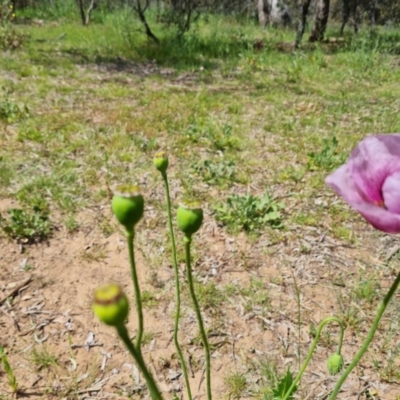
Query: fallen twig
[[15, 290]]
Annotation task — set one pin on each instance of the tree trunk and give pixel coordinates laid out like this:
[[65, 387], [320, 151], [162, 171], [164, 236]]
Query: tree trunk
[[304, 6], [88, 12], [82, 11], [321, 21], [85, 15], [140, 11], [262, 15], [345, 15]]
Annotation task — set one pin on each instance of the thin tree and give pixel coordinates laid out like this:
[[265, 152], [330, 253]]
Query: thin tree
[[85, 13], [304, 6], [262, 10], [140, 10], [320, 22]]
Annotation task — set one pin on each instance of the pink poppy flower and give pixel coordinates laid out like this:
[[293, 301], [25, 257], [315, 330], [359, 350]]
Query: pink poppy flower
[[370, 181]]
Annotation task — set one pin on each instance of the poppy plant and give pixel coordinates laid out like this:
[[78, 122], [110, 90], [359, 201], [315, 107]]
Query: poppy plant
[[370, 181]]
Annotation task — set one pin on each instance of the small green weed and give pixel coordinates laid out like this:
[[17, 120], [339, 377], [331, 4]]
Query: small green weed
[[208, 295], [250, 213], [366, 290], [71, 224], [256, 294], [342, 232], [10, 111], [148, 299], [27, 226], [6, 11], [269, 373], [283, 386], [27, 267], [216, 173], [389, 370], [95, 253], [293, 71], [148, 337], [9, 37], [61, 188], [305, 219], [291, 173], [6, 172], [220, 138], [328, 158], [43, 358], [325, 339], [235, 384], [12, 380], [143, 144], [349, 314]]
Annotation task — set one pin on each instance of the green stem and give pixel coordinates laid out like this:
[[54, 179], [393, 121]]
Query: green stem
[[312, 349], [188, 241], [138, 299], [137, 355], [369, 338], [177, 287]]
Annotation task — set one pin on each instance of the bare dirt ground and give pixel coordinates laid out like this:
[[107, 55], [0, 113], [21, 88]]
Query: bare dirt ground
[[51, 310]]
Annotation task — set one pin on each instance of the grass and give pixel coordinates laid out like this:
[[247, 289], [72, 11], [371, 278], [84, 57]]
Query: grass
[[12, 380], [42, 358], [209, 296], [328, 158], [236, 385], [249, 213], [27, 226], [221, 173], [254, 296], [246, 131], [149, 299]]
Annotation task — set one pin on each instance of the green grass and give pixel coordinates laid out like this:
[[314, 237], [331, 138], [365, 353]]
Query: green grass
[[12, 380], [82, 111], [235, 384], [249, 213], [209, 296], [27, 226], [42, 358], [254, 296]]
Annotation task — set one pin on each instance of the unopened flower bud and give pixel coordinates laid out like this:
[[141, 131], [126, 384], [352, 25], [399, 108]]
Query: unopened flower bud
[[335, 363], [110, 304], [128, 205], [160, 161], [189, 217]]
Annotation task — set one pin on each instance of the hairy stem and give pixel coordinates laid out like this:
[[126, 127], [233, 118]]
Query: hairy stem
[[369, 338], [177, 287], [138, 299], [137, 355], [188, 241], [312, 349]]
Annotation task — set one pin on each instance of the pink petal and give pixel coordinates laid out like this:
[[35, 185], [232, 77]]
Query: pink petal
[[379, 217], [372, 161], [391, 193], [370, 181], [342, 183]]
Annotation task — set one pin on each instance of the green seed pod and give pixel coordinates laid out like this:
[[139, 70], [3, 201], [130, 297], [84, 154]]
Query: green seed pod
[[160, 161], [128, 205], [335, 363], [110, 304], [189, 217]]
